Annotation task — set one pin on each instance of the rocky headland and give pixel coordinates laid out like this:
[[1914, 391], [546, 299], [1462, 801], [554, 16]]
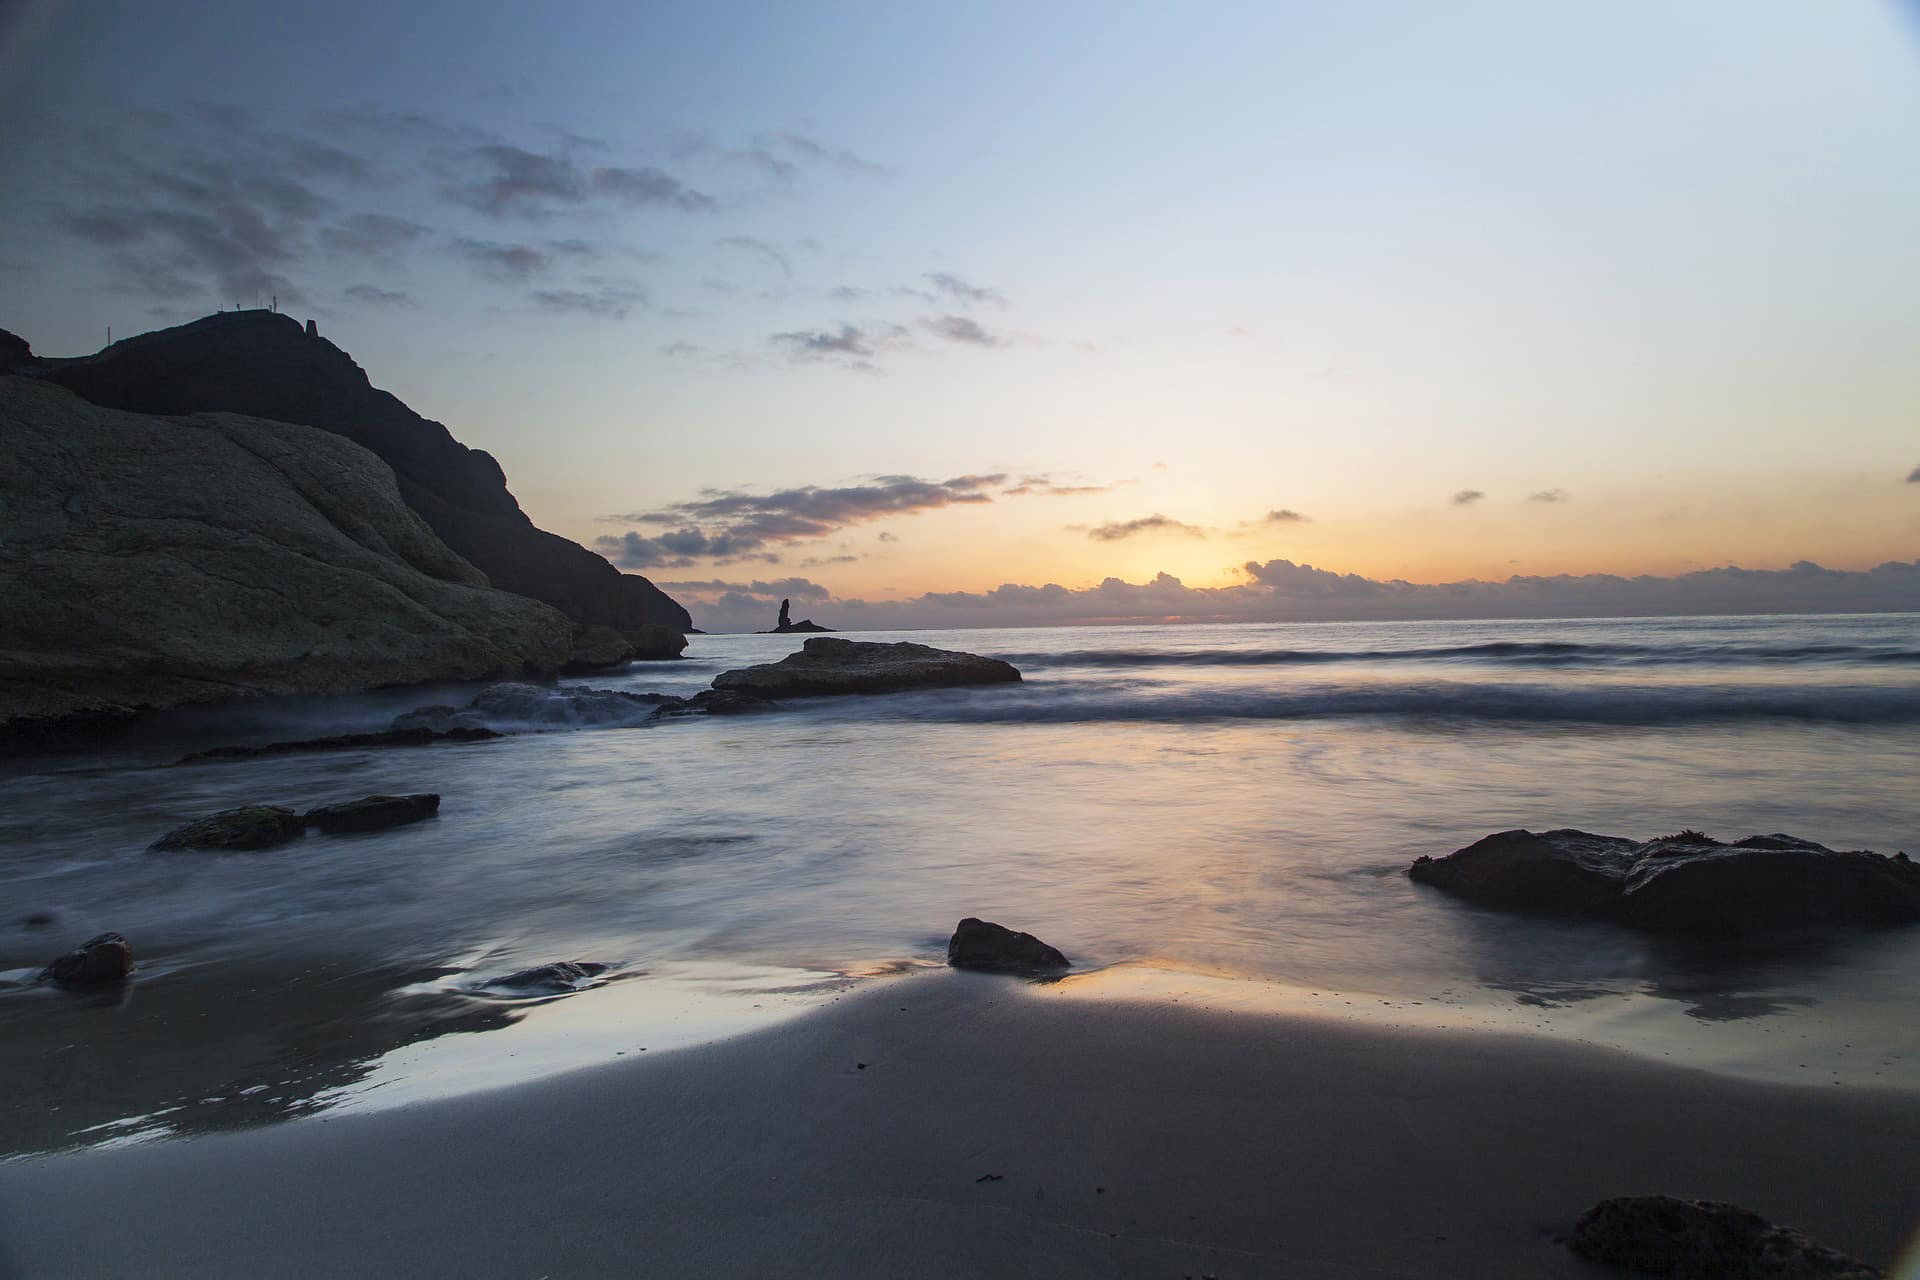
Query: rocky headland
[[154, 561], [229, 508], [265, 365]]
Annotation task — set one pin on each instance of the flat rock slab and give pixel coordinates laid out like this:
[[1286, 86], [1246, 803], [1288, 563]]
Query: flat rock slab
[[373, 813], [1703, 1240], [257, 826], [106, 958], [410, 735], [1689, 883], [982, 944], [828, 665]]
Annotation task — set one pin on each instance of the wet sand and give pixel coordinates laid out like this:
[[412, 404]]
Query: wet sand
[[996, 1128]]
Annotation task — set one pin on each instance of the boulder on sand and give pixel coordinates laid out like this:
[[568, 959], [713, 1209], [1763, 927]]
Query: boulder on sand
[[254, 826], [982, 944], [373, 813], [1699, 1239], [1687, 883], [106, 958], [830, 665]]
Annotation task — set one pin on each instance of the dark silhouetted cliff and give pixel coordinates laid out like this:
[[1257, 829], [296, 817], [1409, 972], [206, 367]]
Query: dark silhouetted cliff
[[266, 365]]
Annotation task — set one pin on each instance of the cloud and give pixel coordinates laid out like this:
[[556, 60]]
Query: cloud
[[376, 297], [609, 299], [961, 329], [637, 188], [1281, 590], [509, 180], [884, 536], [1913, 476], [1548, 495], [815, 562], [1466, 497], [1284, 515], [502, 263], [814, 151], [1044, 487], [729, 523], [767, 253], [370, 235], [814, 343], [963, 292], [797, 588], [1118, 530]]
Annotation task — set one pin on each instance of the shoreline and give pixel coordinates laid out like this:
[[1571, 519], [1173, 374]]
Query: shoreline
[[1129, 1136]]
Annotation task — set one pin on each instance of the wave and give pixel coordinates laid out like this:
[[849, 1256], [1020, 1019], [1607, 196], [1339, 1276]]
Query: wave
[[1515, 704], [1508, 652]]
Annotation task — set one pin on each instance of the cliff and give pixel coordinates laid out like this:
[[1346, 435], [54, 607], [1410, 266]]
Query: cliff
[[152, 561], [264, 365]]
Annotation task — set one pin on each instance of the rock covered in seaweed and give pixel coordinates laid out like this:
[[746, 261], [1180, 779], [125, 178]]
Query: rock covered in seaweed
[[1688, 883], [828, 665], [373, 813], [244, 829], [1703, 1239], [982, 944]]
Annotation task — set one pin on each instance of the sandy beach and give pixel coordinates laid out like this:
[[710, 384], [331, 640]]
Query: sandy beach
[[955, 1125]]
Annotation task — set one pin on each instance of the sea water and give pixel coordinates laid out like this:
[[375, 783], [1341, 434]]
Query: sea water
[[1221, 814]]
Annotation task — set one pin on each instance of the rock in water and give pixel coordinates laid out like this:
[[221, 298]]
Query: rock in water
[[549, 979], [152, 562], [1681, 884], [714, 702], [106, 958], [1562, 872], [981, 944], [373, 813], [1705, 1240], [656, 642], [833, 666], [259, 826], [596, 648]]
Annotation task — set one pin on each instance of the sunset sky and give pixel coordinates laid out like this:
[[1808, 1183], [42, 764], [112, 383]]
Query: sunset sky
[[897, 300]]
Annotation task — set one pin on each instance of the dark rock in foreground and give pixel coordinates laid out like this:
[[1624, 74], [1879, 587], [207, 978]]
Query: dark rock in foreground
[[106, 958], [1680, 884], [373, 813], [833, 666], [656, 642], [250, 827], [1705, 1239], [597, 648], [981, 944], [413, 735], [549, 979]]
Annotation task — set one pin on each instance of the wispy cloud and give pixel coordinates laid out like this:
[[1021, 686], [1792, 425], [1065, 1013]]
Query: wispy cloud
[[963, 329], [964, 292], [1284, 515], [373, 296], [1119, 530], [1466, 497], [770, 254], [1549, 495]]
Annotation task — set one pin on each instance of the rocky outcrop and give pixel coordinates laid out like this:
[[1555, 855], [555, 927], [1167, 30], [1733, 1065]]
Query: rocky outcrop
[[1705, 1240], [786, 625], [411, 735], [714, 702], [14, 352], [834, 666], [106, 958], [148, 562], [264, 365], [598, 648], [250, 827], [373, 813], [981, 944], [1681, 884]]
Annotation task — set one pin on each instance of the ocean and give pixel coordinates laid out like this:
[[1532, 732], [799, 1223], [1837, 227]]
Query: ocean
[[1221, 814]]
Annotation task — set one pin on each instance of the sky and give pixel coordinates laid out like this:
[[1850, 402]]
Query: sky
[[1006, 313]]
